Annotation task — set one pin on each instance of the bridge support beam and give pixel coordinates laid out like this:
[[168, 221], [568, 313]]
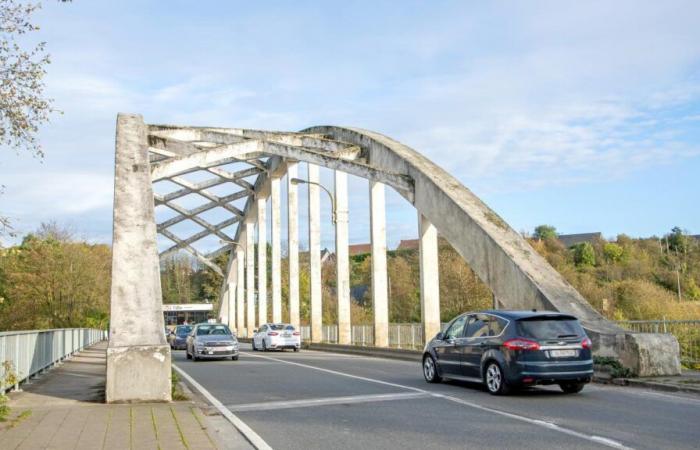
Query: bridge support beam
[[380, 300], [315, 255], [276, 250], [240, 289], [342, 257], [231, 310], [138, 358], [250, 277], [262, 261], [293, 243], [429, 278]]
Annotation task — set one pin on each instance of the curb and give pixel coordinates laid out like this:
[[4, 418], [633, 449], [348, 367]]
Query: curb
[[632, 382], [376, 352]]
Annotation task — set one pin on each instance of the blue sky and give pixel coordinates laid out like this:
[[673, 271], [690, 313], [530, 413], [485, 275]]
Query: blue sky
[[584, 116]]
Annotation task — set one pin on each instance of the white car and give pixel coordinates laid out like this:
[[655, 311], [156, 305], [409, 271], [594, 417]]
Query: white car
[[273, 336]]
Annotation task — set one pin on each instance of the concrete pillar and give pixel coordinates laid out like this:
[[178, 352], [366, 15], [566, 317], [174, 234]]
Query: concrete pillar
[[342, 257], [276, 250], [293, 242], [429, 278], [315, 255], [262, 261], [231, 309], [223, 311], [240, 289], [250, 277], [138, 358], [380, 298]]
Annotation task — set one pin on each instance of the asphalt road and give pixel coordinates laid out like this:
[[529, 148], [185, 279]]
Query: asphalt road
[[325, 400]]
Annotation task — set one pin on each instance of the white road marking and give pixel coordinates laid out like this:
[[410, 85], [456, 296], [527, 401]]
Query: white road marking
[[542, 423], [253, 437], [324, 401]]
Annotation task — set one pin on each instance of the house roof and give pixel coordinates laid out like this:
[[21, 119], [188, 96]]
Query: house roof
[[569, 240], [359, 249], [408, 244]]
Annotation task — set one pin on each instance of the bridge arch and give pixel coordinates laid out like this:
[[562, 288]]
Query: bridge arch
[[517, 275]]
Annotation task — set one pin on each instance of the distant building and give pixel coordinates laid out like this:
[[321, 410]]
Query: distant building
[[191, 313], [569, 240], [359, 249], [408, 244]]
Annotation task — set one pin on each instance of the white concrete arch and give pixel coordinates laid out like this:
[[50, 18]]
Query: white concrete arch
[[517, 275]]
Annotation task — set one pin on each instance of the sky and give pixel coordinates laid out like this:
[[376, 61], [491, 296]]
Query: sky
[[582, 115]]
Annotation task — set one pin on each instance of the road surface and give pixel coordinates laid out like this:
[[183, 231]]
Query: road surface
[[326, 400]]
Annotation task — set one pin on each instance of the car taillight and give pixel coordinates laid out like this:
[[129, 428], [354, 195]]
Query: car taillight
[[296, 333], [586, 342], [521, 344], [272, 333]]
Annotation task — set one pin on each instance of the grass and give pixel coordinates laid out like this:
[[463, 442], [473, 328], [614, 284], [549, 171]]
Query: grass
[[175, 388]]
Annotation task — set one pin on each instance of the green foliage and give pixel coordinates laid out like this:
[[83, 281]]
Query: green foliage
[[584, 254], [613, 253], [617, 370], [544, 232]]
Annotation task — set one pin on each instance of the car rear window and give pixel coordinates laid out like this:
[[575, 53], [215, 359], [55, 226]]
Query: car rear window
[[549, 328], [183, 331], [281, 326]]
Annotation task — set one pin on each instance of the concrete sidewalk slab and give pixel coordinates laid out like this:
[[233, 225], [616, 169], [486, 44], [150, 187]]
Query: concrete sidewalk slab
[[65, 409]]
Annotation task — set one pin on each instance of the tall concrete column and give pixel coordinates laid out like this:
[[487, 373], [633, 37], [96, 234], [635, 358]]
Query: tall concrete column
[[342, 257], [223, 311], [429, 278], [138, 358], [262, 261], [315, 255], [380, 298], [250, 277], [231, 310], [276, 250], [240, 290], [293, 242]]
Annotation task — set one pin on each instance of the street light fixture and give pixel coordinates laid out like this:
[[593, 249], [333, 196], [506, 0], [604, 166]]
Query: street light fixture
[[297, 181], [224, 241]]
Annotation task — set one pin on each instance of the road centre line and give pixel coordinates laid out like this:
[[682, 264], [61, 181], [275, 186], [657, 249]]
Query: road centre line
[[324, 401], [252, 437], [541, 423]]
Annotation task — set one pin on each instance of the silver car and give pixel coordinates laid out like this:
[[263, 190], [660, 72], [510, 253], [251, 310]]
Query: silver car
[[211, 341]]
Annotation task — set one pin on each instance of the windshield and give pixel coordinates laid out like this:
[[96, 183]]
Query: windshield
[[183, 331], [204, 330], [549, 328]]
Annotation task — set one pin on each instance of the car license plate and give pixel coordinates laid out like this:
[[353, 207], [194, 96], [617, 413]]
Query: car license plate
[[562, 353], [286, 334]]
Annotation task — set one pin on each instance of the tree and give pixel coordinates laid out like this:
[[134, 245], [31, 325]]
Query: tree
[[544, 232], [613, 252], [584, 254]]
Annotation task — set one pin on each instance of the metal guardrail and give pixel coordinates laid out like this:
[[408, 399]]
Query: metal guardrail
[[686, 331], [410, 335], [27, 353]]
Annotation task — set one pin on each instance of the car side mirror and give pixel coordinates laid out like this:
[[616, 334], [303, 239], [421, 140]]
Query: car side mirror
[[440, 336], [255, 330]]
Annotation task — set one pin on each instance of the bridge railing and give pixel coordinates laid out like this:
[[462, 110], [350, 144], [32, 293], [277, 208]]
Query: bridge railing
[[686, 331], [410, 335], [24, 354]]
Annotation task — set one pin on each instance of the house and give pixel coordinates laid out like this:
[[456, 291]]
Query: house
[[359, 249], [408, 244], [569, 240]]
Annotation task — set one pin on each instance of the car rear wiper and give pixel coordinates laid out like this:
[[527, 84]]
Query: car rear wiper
[[567, 335]]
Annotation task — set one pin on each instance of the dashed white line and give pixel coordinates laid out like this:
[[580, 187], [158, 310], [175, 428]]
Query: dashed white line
[[541, 423], [324, 401]]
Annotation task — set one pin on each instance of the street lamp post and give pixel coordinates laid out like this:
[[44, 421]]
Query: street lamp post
[[297, 181]]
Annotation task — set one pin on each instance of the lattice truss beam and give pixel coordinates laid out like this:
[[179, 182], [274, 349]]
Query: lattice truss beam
[[236, 163]]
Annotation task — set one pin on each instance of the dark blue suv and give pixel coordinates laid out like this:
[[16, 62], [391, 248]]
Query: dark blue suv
[[511, 349]]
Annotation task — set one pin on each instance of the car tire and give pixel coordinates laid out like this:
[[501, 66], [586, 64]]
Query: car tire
[[430, 370], [264, 348], [252, 343], [187, 354], [572, 387], [296, 349], [495, 380], [234, 358]]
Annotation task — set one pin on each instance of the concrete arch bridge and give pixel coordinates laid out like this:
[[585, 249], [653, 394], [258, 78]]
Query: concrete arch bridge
[[148, 155]]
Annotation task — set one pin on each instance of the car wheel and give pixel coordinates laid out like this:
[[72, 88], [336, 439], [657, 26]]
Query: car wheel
[[430, 370], [187, 354], [495, 381], [234, 358], [264, 346], [252, 343], [296, 349], [571, 388]]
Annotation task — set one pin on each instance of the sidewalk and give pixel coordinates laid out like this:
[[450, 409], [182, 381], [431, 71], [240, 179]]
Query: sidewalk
[[688, 381], [64, 409]]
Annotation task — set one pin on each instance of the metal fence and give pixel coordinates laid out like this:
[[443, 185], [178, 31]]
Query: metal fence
[[686, 331], [410, 335], [27, 353]]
